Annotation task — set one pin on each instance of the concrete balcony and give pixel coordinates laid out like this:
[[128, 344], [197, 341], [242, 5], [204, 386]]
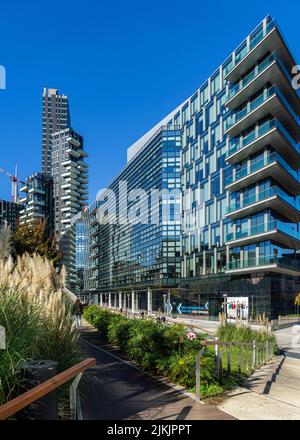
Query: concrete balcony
[[36, 191], [268, 40], [272, 263], [272, 165], [271, 101], [270, 70], [73, 141], [73, 152], [269, 133], [283, 233], [274, 198], [82, 153]]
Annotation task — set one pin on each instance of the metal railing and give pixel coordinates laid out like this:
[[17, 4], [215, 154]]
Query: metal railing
[[255, 165], [238, 143], [250, 356]]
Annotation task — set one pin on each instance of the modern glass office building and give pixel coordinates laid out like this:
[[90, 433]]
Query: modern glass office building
[[74, 246], [136, 243], [239, 167]]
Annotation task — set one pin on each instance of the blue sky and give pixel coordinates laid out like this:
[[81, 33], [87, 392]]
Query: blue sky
[[123, 64]]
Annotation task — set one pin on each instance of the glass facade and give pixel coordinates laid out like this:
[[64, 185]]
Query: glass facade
[[10, 214], [239, 182], [74, 246], [136, 251]]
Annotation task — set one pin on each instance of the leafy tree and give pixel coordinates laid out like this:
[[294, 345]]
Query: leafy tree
[[33, 238], [297, 300]]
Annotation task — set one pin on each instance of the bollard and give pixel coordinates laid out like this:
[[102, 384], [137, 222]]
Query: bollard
[[198, 372], [253, 354]]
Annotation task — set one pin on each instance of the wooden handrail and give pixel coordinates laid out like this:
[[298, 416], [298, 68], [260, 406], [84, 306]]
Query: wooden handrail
[[13, 406]]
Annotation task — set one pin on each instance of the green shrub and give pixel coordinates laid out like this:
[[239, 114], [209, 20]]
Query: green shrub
[[166, 350], [119, 331]]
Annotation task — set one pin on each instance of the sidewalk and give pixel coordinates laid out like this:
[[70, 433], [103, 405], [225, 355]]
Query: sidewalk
[[270, 393], [115, 389]]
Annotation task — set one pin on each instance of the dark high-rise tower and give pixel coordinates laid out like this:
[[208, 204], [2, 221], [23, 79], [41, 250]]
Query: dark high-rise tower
[[56, 117]]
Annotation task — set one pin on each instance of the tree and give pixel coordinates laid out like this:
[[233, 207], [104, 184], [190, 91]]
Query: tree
[[297, 299], [34, 238]]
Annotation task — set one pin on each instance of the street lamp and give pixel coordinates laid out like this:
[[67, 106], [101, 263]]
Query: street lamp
[[252, 296], [225, 305]]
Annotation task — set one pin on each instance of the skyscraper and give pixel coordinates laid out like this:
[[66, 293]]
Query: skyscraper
[[55, 117], [9, 214], [70, 177], [37, 200]]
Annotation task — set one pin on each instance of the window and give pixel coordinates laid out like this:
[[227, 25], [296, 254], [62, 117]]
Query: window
[[215, 84], [204, 95], [194, 104]]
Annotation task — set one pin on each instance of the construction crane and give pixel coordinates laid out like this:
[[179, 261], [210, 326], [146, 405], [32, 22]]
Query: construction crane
[[15, 181]]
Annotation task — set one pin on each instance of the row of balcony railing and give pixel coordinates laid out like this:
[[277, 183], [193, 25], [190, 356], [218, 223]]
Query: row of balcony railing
[[236, 88], [262, 195], [238, 143], [259, 164], [273, 225], [263, 261], [254, 42]]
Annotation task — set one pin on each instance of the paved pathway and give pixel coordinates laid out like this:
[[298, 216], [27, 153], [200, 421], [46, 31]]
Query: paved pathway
[[116, 390], [271, 393]]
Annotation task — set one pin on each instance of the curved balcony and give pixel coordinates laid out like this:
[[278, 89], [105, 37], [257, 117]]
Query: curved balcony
[[271, 70], [283, 233], [272, 165], [268, 40], [272, 263], [269, 133], [270, 101], [273, 198]]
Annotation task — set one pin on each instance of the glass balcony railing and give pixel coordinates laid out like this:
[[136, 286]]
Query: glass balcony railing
[[255, 166], [254, 42], [263, 261], [262, 195], [256, 72], [239, 142], [250, 107], [287, 228]]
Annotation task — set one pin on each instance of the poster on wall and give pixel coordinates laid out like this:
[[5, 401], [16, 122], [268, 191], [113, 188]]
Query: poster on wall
[[237, 308]]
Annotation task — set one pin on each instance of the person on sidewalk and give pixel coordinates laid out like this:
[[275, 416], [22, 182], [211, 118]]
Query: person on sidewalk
[[77, 312]]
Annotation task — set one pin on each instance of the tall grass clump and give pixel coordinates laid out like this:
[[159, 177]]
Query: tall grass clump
[[232, 333], [36, 318]]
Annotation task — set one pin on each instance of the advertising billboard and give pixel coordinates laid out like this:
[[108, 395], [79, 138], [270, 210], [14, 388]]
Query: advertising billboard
[[237, 308]]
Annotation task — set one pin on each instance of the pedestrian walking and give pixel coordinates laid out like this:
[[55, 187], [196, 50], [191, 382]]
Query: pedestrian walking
[[77, 312]]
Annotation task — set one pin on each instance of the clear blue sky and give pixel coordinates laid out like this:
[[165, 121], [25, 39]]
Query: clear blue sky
[[123, 64]]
